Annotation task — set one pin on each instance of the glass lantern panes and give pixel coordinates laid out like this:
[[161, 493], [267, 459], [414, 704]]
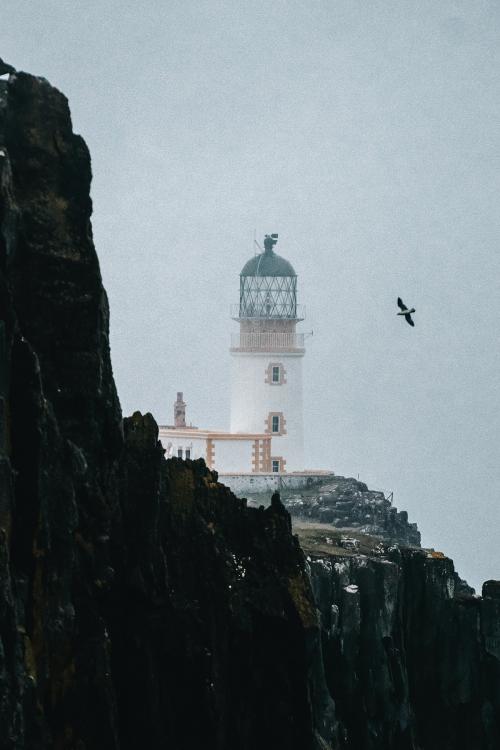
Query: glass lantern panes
[[268, 297]]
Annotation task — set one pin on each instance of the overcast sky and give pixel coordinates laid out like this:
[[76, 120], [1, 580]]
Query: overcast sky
[[367, 134]]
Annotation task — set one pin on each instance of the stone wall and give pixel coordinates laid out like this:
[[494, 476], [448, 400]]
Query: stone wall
[[265, 484]]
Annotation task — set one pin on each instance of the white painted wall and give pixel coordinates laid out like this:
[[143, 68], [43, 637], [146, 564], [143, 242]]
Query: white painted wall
[[252, 399], [172, 443], [229, 455], [233, 455]]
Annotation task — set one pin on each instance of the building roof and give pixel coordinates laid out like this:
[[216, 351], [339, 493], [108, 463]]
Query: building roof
[[268, 263], [200, 434]]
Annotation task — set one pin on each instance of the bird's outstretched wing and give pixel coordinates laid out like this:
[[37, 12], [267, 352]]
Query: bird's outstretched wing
[[401, 304], [409, 320]]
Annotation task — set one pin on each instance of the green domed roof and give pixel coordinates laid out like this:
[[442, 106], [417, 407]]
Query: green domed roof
[[268, 264]]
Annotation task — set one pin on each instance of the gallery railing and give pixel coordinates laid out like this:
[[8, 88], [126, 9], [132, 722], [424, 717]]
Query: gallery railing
[[267, 341]]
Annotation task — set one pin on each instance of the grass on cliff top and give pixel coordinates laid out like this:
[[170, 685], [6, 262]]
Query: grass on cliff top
[[322, 538], [325, 539]]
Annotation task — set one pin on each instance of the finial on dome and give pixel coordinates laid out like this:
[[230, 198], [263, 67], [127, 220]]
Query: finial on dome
[[270, 241]]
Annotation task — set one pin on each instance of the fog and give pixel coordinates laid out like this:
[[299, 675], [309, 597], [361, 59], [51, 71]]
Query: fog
[[367, 134]]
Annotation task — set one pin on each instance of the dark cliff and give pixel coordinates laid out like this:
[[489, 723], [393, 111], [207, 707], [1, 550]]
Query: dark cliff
[[412, 657], [141, 603]]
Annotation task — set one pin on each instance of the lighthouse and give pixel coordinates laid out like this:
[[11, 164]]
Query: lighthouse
[[266, 361], [265, 440]]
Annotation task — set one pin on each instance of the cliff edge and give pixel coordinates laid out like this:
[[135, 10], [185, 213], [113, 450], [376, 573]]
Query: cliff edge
[[142, 605]]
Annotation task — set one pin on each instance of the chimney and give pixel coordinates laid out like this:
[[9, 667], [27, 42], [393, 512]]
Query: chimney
[[179, 411]]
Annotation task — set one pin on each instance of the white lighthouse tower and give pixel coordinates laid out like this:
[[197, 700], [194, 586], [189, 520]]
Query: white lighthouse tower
[[266, 354]]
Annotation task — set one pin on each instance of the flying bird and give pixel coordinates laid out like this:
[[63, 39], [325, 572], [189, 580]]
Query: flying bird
[[405, 311]]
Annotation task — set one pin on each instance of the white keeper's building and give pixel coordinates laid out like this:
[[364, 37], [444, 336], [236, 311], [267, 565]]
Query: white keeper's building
[[266, 431]]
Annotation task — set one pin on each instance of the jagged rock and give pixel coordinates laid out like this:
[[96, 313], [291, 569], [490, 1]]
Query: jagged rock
[[141, 603], [212, 611], [348, 503], [409, 663], [491, 589], [5, 68]]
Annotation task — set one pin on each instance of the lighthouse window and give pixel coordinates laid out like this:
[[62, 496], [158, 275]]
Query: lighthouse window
[[179, 452], [276, 466], [276, 374], [276, 424]]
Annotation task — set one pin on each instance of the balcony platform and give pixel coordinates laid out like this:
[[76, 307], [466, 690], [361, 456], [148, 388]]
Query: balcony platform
[[268, 341]]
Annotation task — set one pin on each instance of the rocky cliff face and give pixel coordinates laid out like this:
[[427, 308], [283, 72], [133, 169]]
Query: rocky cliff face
[[141, 603], [411, 656], [348, 504]]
